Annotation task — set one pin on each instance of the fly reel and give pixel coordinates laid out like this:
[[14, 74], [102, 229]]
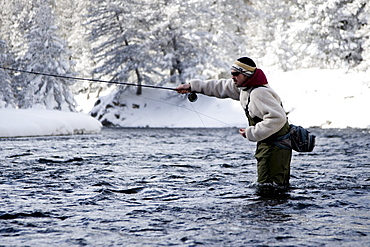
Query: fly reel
[[192, 97]]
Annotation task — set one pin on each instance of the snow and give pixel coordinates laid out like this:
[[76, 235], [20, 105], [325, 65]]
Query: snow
[[36, 122], [314, 98], [325, 98]]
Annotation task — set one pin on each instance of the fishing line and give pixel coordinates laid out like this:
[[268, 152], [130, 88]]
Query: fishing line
[[192, 110], [210, 134], [186, 108], [199, 114], [192, 96], [201, 120]]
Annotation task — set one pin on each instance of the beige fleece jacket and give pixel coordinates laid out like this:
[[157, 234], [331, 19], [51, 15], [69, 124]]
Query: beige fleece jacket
[[264, 103]]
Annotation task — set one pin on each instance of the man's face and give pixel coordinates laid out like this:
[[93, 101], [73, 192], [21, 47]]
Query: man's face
[[238, 78]]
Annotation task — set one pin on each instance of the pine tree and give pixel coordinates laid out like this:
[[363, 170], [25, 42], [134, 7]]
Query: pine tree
[[334, 29], [7, 98], [364, 32], [120, 33], [303, 34], [14, 20], [71, 19], [182, 41], [10, 45], [165, 41], [46, 54]]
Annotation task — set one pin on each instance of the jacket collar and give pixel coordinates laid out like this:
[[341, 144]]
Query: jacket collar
[[257, 79]]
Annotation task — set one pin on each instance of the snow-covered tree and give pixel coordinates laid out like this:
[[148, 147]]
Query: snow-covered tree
[[71, 17], [6, 57], [46, 54], [120, 34], [7, 98], [363, 31], [333, 29], [161, 41], [230, 36], [192, 38], [303, 34], [181, 40], [165, 41], [173, 42]]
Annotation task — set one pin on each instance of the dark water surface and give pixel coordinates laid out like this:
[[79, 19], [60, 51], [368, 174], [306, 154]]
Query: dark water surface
[[180, 187]]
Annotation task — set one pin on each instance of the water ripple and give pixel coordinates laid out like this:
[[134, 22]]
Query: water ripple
[[188, 187]]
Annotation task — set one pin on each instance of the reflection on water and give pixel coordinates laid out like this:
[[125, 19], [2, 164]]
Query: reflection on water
[[180, 187]]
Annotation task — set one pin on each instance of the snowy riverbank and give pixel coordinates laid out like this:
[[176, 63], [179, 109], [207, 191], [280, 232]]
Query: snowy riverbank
[[31, 122], [313, 98]]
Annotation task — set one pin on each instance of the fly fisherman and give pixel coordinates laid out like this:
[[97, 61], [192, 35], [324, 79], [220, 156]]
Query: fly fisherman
[[266, 116]]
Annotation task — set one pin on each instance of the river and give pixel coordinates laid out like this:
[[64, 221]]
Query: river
[[180, 187]]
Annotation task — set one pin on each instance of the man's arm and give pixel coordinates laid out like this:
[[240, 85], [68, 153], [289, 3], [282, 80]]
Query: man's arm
[[224, 88]]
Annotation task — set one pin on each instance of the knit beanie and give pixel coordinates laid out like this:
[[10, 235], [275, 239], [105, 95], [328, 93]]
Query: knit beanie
[[244, 65]]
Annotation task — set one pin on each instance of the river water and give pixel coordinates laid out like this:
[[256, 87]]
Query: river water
[[180, 187]]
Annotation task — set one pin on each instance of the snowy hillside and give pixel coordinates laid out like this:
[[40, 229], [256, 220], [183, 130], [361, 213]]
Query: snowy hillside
[[314, 97]]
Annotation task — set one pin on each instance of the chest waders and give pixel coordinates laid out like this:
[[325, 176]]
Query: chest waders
[[273, 163]]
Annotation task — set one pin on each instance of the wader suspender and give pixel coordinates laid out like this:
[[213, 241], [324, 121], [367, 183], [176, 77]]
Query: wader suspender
[[255, 120]]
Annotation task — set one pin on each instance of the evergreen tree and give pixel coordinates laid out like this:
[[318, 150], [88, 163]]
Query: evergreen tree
[[14, 20], [168, 40], [182, 40], [304, 34], [47, 54], [364, 32], [71, 19], [333, 28], [173, 42], [6, 92], [186, 40], [11, 44], [160, 41], [231, 38], [120, 34]]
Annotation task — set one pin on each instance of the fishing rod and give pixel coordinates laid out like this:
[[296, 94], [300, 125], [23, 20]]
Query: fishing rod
[[192, 96]]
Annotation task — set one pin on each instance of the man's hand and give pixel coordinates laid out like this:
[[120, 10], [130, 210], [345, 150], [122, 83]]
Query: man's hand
[[242, 132], [183, 88]]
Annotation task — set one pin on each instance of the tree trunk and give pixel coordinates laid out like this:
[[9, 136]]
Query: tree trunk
[[139, 82]]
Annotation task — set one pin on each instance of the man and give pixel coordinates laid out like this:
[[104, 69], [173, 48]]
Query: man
[[266, 116]]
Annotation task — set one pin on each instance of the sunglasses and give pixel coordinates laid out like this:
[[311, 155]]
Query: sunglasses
[[235, 73]]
